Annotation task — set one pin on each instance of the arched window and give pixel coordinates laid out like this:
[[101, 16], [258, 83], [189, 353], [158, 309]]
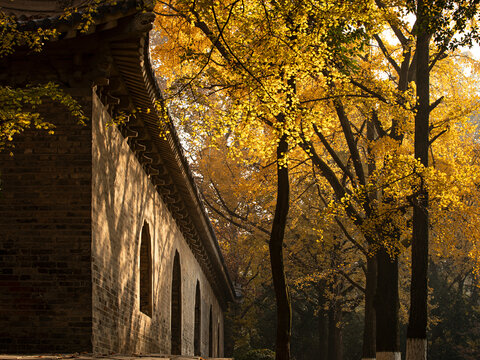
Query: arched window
[[146, 283], [176, 307], [218, 339], [210, 334], [198, 321]]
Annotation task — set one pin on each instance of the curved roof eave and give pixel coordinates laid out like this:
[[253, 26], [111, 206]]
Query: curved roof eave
[[189, 210], [171, 174]]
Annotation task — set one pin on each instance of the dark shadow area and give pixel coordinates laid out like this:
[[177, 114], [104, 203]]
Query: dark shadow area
[[218, 339], [176, 307], [146, 272], [210, 334], [45, 235], [198, 321]]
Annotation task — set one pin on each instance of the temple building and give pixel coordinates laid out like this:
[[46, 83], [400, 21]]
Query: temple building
[[105, 245]]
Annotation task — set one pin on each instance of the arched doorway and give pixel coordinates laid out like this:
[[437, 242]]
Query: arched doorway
[[176, 307], [218, 339], [198, 321], [146, 283], [210, 334]]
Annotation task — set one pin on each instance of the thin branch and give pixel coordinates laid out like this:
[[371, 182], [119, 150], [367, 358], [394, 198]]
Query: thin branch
[[234, 214], [333, 154], [386, 54], [237, 60], [368, 91], [326, 171], [436, 103], [378, 125], [331, 97], [214, 209], [350, 209], [398, 33], [411, 70], [350, 237], [441, 53], [350, 280], [437, 136], [347, 131]]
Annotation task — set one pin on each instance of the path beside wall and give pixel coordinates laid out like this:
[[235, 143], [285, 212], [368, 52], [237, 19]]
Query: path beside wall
[[110, 357]]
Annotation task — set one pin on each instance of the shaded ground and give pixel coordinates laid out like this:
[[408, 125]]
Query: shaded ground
[[103, 357]]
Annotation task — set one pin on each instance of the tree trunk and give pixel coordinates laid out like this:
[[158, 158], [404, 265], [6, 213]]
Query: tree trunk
[[368, 350], [334, 332], [369, 344], [322, 324], [338, 333], [331, 332], [322, 335], [417, 322], [284, 313], [386, 306]]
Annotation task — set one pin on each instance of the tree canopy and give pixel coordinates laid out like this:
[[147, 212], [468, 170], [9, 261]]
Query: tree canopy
[[332, 137]]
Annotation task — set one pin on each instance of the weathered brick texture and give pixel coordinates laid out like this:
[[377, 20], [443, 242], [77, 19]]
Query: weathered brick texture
[[72, 207], [45, 238], [123, 199]]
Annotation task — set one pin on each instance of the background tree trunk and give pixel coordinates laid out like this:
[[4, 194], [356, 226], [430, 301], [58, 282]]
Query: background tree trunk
[[417, 322], [284, 312], [322, 324], [369, 334], [386, 306], [369, 350], [334, 331], [338, 333]]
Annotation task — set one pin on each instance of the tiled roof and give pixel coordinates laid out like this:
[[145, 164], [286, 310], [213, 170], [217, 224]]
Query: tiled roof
[[161, 156], [40, 10]]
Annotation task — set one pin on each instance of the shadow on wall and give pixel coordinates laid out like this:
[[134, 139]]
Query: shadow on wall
[[45, 231], [123, 200], [135, 309]]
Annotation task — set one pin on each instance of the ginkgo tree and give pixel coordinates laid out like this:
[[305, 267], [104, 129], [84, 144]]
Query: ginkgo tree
[[438, 28], [256, 66], [324, 269], [273, 76]]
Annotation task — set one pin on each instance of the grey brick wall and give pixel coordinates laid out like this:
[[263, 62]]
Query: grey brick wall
[[123, 198], [45, 238], [72, 207]]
